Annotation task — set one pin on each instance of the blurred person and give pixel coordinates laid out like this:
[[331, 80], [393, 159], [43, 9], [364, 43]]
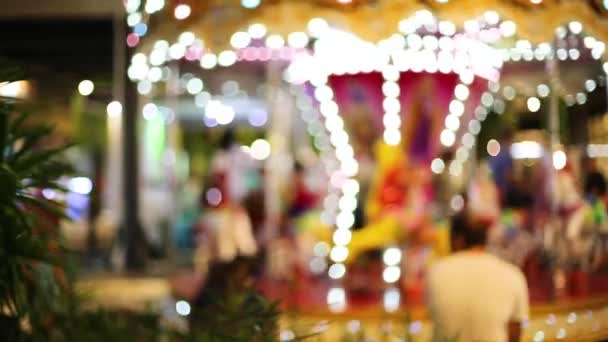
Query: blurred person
[[303, 199], [474, 295], [595, 196], [283, 254], [511, 236], [502, 165], [595, 185], [188, 213], [484, 194], [226, 228], [235, 165]]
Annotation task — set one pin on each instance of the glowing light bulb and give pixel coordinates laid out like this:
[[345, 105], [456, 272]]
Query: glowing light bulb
[[257, 30], [461, 92], [260, 149], [208, 61], [227, 58], [337, 271], [275, 41], [114, 109], [437, 166], [240, 40], [590, 85], [183, 308], [508, 28], [297, 39], [452, 122], [391, 274], [194, 86], [575, 27], [338, 254], [533, 104], [317, 27], [391, 256], [543, 90], [342, 236], [493, 147], [250, 4], [447, 138], [182, 11], [86, 87], [559, 160]]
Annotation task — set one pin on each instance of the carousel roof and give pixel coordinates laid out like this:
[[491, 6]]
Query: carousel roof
[[215, 21]]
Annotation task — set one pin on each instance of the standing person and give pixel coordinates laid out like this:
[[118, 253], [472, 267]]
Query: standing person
[[302, 199], [502, 166], [595, 182], [235, 165], [473, 295]]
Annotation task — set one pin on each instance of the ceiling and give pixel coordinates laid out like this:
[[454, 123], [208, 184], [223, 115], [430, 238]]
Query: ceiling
[[60, 9], [57, 43]]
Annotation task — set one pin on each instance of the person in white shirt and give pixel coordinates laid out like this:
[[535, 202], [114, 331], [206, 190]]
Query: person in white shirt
[[473, 295]]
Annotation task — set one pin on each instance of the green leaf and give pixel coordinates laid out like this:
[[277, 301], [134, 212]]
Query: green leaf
[[48, 206], [36, 158], [3, 133], [30, 140], [17, 124], [10, 72]]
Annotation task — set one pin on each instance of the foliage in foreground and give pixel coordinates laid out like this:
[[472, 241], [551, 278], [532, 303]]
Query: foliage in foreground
[[38, 301], [33, 277]]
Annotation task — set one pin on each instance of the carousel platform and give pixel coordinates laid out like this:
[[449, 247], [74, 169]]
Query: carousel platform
[[579, 317]]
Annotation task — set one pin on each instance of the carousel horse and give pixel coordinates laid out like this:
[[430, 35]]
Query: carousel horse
[[400, 195], [573, 234], [483, 194], [507, 237]]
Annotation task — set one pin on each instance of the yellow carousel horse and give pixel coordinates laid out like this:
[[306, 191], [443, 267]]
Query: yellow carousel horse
[[398, 205]]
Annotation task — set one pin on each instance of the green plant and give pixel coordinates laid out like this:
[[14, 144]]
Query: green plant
[[38, 301], [230, 309], [33, 274]]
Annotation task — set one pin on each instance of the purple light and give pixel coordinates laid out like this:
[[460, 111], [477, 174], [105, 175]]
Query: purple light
[[194, 53], [132, 40], [258, 118], [140, 29], [415, 327], [214, 196], [210, 122]]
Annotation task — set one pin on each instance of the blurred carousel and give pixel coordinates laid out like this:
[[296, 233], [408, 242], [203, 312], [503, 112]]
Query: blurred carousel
[[388, 107]]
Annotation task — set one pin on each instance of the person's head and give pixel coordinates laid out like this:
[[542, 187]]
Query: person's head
[[214, 192], [227, 139], [519, 201], [595, 185], [589, 164], [506, 136], [467, 231], [298, 168]]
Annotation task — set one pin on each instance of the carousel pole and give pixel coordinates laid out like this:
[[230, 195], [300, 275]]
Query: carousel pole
[[552, 68], [270, 187], [134, 238], [112, 196], [277, 165], [172, 147]]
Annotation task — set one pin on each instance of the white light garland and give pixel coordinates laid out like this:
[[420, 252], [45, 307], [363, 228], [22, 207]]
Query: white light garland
[[392, 106], [466, 54], [348, 169]]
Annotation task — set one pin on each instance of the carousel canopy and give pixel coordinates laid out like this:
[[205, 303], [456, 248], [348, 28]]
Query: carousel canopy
[[215, 21]]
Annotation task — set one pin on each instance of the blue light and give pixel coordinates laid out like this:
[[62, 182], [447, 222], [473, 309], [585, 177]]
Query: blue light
[[606, 4], [250, 3], [140, 29]]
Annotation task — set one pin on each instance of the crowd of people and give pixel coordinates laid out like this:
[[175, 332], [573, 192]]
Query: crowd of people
[[505, 226]]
